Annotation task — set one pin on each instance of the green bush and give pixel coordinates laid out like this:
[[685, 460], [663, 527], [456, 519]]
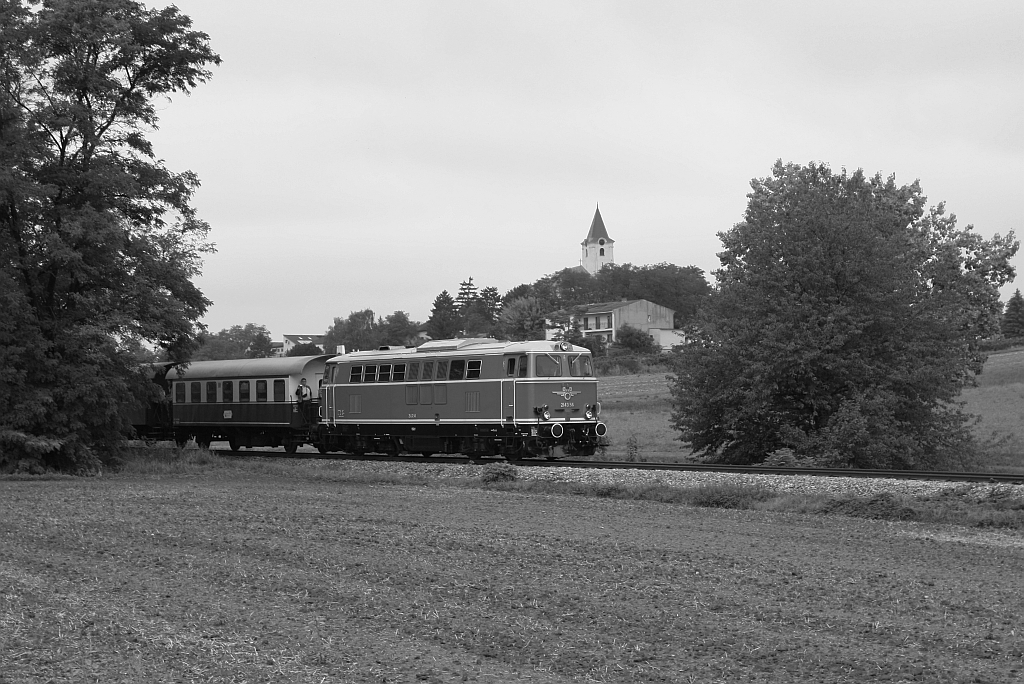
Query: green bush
[[494, 473]]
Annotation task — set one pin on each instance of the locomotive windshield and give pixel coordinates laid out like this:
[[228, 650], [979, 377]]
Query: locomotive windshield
[[548, 366], [580, 366]]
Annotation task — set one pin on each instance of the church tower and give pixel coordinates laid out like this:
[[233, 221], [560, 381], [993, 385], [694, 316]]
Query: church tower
[[597, 248]]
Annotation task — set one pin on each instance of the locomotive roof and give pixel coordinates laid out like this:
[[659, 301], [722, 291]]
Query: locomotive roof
[[476, 345], [247, 368]]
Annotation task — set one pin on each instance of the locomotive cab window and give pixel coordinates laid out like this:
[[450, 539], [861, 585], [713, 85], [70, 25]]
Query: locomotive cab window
[[261, 390], [548, 366], [473, 369], [523, 368], [580, 366], [243, 390], [356, 375], [510, 366]]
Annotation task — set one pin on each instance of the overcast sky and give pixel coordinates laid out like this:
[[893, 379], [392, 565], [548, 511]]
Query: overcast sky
[[370, 154]]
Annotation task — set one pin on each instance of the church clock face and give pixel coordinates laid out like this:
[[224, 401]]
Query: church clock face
[[601, 241]]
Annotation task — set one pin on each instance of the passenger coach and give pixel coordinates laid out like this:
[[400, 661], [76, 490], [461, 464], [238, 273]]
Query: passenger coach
[[248, 402], [478, 397]]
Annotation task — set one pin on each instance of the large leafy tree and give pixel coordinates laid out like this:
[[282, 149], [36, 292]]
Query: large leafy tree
[[845, 323], [98, 241], [360, 331]]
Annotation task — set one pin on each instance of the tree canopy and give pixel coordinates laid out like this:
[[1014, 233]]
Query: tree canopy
[[305, 349], [251, 341], [444, 322], [98, 240], [361, 330], [845, 322], [1013, 317]]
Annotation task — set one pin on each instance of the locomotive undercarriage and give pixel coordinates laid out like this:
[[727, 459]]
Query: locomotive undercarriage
[[511, 442]]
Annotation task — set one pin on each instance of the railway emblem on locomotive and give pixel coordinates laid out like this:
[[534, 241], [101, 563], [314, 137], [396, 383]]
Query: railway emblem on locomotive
[[566, 393]]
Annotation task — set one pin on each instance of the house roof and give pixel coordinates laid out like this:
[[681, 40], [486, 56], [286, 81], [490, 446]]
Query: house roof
[[597, 229], [603, 307]]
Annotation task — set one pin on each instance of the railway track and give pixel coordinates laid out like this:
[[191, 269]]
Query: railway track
[[994, 478]]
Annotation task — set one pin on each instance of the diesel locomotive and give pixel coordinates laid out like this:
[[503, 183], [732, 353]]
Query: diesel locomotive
[[478, 397]]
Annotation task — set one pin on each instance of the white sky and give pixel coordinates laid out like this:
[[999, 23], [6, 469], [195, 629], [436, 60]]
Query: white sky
[[370, 154]]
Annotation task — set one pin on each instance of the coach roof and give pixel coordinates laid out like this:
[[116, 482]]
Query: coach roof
[[247, 368]]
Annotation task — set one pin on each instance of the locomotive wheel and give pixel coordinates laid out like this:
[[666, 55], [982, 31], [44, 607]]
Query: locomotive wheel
[[290, 445], [233, 443], [322, 448]]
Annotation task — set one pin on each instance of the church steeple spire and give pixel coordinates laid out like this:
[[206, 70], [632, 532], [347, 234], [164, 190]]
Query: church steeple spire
[[597, 247]]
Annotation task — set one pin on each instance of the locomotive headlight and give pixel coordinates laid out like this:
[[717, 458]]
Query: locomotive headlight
[[589, 415], [545, 414]]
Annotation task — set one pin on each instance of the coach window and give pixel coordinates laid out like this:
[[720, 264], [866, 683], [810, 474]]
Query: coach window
[[384, 375], [428, 370], [399, 374], [356, 375], [523, 368], [179, 393], [458, 370], [580, 366], [414, 371], [548, 366], [211, 392], [370, 374], [473, 369], [261, 390], [243, 390], [279, 390], [195, 389], [227, 392], [442, 370]]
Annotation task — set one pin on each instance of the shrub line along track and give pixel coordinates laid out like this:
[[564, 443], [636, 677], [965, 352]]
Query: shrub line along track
[[679, 467]]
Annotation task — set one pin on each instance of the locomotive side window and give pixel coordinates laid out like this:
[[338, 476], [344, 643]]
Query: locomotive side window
[[473, 369], [211, 392], [179, 393], [356, 375], [458, 370], [399, 374], [580, 366], [279, 390], [523, 368], [195, 389], [261, 390], [442, 370], [428, 370], [414, 371], [548, 366], [227, 392], [510, 366], [370, 374], [385, 373], [243, 390]]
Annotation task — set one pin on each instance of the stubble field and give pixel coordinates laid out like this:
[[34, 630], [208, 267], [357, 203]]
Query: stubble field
[[244, 571]]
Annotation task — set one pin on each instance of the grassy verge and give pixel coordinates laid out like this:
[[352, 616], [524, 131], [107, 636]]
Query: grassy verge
[[959, 506]]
